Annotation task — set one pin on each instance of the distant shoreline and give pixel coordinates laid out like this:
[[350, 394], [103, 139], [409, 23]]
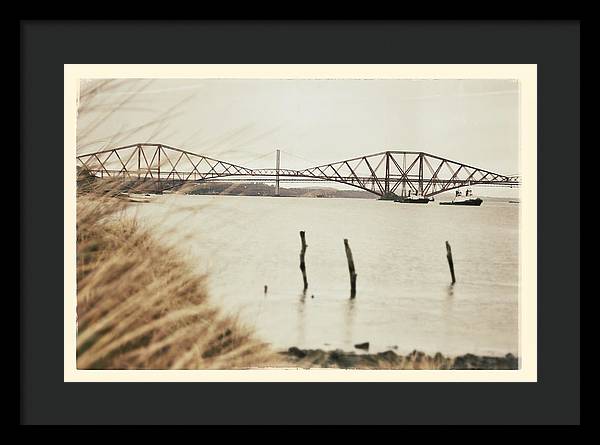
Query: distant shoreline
[[372, 197], [258, 189]]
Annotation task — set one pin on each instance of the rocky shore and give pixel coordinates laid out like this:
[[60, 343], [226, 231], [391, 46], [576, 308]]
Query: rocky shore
[[318, 358]]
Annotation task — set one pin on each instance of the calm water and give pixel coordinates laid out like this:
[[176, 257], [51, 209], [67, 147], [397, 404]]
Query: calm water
[[404, 298]]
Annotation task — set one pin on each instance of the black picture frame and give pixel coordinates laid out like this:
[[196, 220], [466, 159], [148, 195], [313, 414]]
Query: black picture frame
[[45, 46]]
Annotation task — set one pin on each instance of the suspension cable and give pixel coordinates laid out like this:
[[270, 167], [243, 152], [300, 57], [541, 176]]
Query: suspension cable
[[261, 157], [300, 157]]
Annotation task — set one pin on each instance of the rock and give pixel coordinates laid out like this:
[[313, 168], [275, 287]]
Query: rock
[[471, 361], [364, 346], [296, 352], [389, 356], [511, 361], [340, 359]]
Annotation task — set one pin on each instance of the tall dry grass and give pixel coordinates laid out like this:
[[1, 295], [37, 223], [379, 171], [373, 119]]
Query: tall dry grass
[[140, 306]]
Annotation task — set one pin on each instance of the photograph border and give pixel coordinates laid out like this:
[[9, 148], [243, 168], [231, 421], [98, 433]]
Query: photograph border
[[46, 46]]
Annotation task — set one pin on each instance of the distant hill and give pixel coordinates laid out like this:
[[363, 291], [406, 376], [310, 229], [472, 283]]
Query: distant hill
[[261, 189]]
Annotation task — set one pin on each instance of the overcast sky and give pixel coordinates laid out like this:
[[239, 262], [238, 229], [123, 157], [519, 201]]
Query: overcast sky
[[311, 121]]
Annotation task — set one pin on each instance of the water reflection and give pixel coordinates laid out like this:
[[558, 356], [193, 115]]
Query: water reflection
[[447, 309], [350, 315], [301, 324], [448, 302]]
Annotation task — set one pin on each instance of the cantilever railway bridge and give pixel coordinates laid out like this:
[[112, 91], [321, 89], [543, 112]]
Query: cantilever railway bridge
[[386, 174]]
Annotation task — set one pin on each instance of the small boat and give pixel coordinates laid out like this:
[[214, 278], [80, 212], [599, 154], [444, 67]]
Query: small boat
[[135, 197], [467, 200], [413, 199]]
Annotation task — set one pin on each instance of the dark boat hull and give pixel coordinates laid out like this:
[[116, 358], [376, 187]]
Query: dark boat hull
[[413, 201], [470, 202]]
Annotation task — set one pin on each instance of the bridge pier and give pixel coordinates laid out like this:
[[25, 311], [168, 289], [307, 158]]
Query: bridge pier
[[277, 174], [387, 174]]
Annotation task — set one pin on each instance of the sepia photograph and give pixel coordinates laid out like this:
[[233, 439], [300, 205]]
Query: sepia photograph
[[298, 223]]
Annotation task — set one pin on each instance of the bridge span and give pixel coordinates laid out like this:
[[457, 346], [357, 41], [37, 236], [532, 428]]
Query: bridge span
[[387, 174]]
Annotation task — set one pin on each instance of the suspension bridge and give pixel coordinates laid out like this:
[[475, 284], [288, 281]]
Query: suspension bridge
[[387, 174]]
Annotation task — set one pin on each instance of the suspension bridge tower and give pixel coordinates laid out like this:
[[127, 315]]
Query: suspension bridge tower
[[277, 173]]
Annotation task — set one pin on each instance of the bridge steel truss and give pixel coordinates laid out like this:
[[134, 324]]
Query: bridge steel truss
[[403, 172], [386, 174]]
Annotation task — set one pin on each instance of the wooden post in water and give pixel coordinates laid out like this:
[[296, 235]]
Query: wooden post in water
[[350, 269], [302, 265], [450, 262]]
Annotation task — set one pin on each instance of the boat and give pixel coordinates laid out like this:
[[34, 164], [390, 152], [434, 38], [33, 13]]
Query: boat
[[413, 199], [467, 200], [136, 197]]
